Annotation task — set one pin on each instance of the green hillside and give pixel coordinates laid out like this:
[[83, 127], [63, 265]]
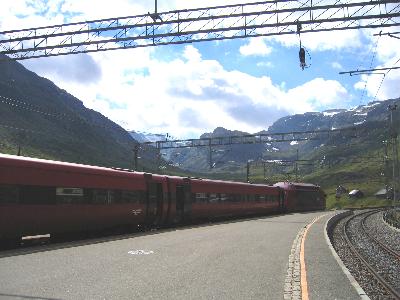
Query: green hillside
[[38, 119]]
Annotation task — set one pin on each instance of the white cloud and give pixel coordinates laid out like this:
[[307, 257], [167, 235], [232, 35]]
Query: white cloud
[[336, 65], [265, 64], [185, 96], [317, 93], [322, 41], [255, 47]]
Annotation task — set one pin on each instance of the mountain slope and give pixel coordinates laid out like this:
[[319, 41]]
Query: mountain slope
[[370, 120], [45, 121]]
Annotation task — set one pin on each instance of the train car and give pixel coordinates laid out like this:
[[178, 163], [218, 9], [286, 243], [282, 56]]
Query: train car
[[41, 196], [302, 196], [216, 199], [49, 197]]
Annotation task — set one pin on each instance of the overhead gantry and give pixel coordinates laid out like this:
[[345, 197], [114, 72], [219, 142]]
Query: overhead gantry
[[266, 18]]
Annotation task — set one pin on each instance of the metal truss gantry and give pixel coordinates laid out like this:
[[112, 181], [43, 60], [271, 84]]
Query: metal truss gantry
[[298, 136], [295, 136], [266, 18]]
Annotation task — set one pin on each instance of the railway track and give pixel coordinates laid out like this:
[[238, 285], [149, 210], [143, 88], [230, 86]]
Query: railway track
[[379, 259]]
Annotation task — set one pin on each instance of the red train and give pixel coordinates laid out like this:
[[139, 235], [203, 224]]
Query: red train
[[48, 197]]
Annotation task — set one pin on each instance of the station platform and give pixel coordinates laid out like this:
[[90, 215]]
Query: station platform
[[326, 276], [237, 259]]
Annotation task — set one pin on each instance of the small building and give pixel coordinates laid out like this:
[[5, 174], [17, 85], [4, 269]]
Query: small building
[[340, 190], [356, 194], [383, 194], [387, 193]]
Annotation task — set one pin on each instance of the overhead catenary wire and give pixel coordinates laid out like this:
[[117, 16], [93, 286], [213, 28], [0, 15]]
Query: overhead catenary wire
[[19, 104], [370, 66], [380, 85]]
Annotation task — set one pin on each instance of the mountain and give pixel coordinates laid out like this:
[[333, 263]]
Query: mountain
[[45, 121], [143, 137], [333, 119], [371, 122]]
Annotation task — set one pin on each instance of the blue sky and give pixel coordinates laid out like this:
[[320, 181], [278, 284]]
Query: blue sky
[[186, 90]]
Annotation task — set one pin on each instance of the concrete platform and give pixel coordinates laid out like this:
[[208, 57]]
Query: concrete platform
[[326, 278], [243, 259]]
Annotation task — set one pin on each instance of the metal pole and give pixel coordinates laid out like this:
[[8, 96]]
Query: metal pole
[[158, 156], [265, 171], [393, 136], [248, 171], [210, 154], [296, 165], [135, 157], [397, 160]]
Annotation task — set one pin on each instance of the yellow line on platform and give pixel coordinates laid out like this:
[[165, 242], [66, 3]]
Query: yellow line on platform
[[303, 273]]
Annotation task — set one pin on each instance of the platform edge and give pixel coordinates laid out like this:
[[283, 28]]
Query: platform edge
[[329, 223]]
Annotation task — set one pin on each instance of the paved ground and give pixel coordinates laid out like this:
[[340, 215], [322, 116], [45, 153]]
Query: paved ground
[[247, 259], [325, 278]]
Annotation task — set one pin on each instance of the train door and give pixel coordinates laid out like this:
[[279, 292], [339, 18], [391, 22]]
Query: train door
[[154, 203], [183, 203], [282, 195]]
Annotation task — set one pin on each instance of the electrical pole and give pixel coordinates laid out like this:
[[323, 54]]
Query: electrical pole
[[386, 165], [248, 171], [210, 154], [135, 157], [393, 136], [265, 171], [159, 157], [296, 165]]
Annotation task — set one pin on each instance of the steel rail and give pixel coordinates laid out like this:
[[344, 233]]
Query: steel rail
[[392, 291], [381, 244]]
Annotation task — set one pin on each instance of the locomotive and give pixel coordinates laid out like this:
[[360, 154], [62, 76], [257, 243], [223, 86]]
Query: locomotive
[[40, 196]]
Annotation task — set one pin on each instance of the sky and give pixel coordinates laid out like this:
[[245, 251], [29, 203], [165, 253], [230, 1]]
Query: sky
[[187, 90]]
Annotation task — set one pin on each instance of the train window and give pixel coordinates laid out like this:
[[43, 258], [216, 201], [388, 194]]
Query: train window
[[30, 194], [235, 197], [262, 198], [224, 197], [99, 196], [8, 194], [132, 197], [201, 197], [69, 195], [306, 198], [214, 198], [250, 198], [256, 198]]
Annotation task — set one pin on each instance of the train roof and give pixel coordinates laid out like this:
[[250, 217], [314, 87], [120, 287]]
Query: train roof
[[39, 163], [296, 184], [219, 186]]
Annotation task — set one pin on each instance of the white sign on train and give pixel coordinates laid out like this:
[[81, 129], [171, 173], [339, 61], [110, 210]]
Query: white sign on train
[[136, 211]]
